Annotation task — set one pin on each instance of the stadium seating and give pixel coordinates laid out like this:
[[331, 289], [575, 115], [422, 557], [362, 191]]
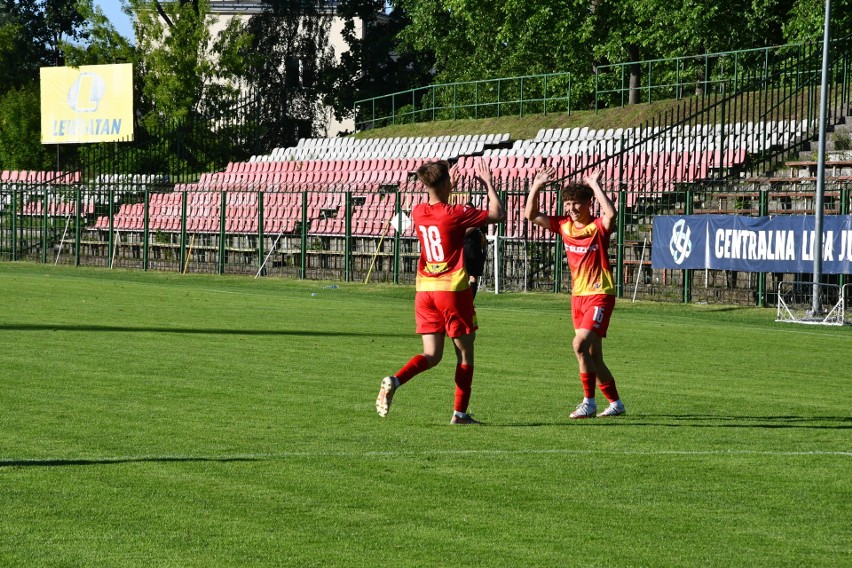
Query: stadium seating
[[57, 208], [635, 159], [39, 177]]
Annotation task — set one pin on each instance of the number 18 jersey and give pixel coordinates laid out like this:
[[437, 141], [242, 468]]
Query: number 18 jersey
[[440, 228]]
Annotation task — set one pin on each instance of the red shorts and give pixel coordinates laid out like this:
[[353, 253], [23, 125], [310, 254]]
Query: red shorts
[[445, 312], [592, 312]]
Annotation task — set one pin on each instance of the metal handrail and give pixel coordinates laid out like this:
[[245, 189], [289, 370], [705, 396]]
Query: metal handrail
[[715, 73], [527, 94]]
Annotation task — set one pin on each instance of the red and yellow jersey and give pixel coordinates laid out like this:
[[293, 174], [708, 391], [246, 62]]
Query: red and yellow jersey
[[440, 228], [586, 251]]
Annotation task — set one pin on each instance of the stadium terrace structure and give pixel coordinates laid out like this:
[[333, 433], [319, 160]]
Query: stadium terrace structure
[[336, 208]]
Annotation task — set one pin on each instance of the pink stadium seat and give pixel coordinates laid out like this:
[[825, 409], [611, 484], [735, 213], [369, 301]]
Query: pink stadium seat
[[271, 225]]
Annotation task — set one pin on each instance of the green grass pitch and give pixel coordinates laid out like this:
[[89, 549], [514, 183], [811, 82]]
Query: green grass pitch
[[152, 419]]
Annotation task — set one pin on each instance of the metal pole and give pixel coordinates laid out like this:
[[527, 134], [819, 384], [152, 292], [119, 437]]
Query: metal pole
[[14, 255], [347, 234], [396, 237], [223, 197], [303, 263], [77, 224], [184, 258], [260, 233], [146, 229], [820, 181]]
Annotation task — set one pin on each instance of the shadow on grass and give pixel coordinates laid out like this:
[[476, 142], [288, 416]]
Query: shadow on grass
[[714, 421], [187, 330], [701, 421], [117, 461]]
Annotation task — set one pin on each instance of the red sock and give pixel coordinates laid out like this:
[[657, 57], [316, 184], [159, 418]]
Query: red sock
[[609, 390], [464, 380], [588, 380], [417, 365]]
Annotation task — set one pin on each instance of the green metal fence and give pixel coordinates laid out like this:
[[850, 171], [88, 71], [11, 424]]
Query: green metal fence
[[711, 74], [509, 96], [84, 225], [703, 75], [140, 206]]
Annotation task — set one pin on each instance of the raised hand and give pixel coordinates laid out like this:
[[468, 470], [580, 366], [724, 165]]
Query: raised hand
[[454, 175], [544, 176], [593, 178], [483, 172]]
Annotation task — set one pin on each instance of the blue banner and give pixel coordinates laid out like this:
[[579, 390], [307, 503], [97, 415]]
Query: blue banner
[[751, 244]]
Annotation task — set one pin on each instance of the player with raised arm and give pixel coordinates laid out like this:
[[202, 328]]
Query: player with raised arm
[[586, 239], [443, 303]]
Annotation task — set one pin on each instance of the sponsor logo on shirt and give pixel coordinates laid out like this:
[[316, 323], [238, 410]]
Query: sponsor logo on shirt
[[580, 250], [436, 267]]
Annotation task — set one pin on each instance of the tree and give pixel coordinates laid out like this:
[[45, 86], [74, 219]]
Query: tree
[[286, 53], [173, 64], [373, 65], [476, 39], [35, 31], [20, 131], [104, 44], [805, 20], [446, 29]]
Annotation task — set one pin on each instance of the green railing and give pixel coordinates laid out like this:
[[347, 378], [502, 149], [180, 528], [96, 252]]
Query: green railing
[[674, 78], [508, 96], [86, 224], [679, 77]]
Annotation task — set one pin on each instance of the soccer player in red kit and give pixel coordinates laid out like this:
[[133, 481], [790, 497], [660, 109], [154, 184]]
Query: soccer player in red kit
[[586, 239], [443, 302]]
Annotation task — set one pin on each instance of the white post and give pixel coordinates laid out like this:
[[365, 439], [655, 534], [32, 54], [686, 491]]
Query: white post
[[62, 240], [496, 240], [639, 269], [271, 250]]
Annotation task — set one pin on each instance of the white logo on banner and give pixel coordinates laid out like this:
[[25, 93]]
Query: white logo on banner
[[86, 93], [680, 246]]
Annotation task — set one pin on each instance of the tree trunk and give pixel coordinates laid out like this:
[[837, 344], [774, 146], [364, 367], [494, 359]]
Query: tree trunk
[[635, 74]]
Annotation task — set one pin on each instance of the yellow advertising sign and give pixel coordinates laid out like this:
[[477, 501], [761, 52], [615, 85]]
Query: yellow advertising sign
[[92, 103]]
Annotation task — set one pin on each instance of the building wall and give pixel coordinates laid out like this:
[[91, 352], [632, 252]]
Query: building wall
[[225, 10]]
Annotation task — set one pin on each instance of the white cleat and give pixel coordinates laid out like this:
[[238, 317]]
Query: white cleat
[[614, 409], [383, 401], [584, 410]]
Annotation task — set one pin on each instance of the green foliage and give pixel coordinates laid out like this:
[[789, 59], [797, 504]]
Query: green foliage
[[20, 131], [174, 62], [104, 44], [34, 33], [405, 114], [806, 20], [285, 54], [184, 420], [501, 38], [373, 63], [842, 141]]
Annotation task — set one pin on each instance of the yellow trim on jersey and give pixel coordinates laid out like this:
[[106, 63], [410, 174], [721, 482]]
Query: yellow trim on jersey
[[607, 287], [452, 282]]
